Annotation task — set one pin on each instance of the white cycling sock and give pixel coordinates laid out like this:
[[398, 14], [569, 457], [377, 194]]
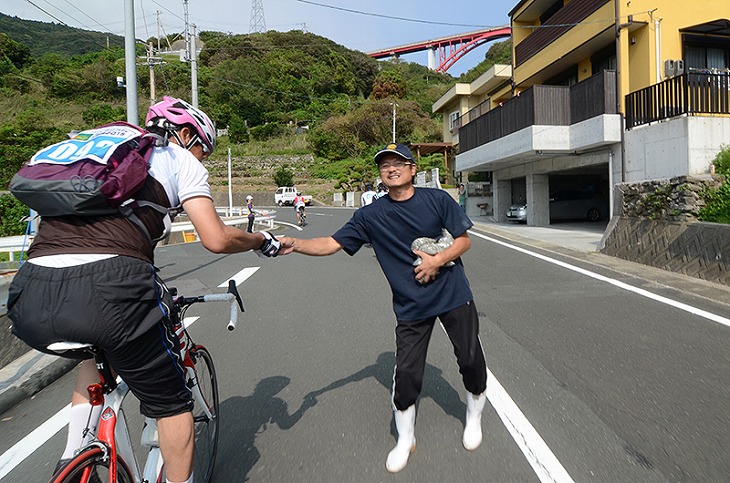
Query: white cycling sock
[[189, 480], [76, 425]]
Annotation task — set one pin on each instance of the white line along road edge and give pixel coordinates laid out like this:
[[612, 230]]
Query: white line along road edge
[[645, 293], [26, 446]]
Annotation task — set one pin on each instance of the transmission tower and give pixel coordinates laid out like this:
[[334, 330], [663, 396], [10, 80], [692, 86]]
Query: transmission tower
[[258, 24]]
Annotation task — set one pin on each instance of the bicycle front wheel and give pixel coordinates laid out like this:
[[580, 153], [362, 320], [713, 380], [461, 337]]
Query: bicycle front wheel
[[205, 413], [91, 466]]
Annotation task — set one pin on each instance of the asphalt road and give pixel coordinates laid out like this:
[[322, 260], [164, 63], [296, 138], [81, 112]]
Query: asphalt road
[[589, 381]]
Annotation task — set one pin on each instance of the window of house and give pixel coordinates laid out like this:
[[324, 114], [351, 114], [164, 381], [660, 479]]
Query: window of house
[[453, 118], [568, 78], [702, 53], [605, 63]]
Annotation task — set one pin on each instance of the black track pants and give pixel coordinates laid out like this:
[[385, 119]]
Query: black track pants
[[412, 337]]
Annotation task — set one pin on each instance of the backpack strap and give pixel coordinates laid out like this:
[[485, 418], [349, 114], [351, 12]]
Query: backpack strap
[[146, 145]]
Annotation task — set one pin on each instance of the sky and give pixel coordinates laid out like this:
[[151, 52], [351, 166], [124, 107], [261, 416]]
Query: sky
[[364, 26]]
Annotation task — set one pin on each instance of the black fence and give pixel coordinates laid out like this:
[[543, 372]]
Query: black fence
[[540, 105], [690, 93]]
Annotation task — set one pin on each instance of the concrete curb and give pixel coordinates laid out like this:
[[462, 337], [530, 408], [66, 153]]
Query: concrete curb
[[28, 374]]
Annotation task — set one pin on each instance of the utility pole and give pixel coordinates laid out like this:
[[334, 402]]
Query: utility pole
[[158, 29], [152, 61], [130, 62], [394, 106], [186, 57], [194, 68]]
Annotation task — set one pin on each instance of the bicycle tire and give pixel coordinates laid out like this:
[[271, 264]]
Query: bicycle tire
[[94, 458], [206, 429]]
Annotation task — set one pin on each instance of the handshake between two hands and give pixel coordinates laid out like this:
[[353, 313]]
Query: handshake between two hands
[[272, 246]]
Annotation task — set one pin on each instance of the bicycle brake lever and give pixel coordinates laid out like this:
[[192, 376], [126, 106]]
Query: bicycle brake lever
[[232, 289]]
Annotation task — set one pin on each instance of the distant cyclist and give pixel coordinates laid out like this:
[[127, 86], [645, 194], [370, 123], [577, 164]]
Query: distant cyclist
[[300, 208], [93, 280], [368, 196]]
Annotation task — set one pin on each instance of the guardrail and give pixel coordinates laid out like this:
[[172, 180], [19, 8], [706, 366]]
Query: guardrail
[[14, 244]]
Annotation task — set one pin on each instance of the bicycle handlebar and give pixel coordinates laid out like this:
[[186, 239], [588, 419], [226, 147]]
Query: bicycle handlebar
[[231, 296]]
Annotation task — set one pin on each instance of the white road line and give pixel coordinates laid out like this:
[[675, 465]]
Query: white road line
[[645, 293], [39, 436], [289, 224], [546, 466], [26, 446], [536, 451], [240, 277]]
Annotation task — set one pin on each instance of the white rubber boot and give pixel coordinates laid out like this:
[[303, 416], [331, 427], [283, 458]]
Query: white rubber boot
[[473, 427], [405, 423]]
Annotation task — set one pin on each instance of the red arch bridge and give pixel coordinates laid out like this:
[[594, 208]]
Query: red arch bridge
[[449, 49]]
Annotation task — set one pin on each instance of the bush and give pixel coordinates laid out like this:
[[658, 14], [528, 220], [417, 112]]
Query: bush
[[717, 201], [283, 177], [11, 212], [268, 131]]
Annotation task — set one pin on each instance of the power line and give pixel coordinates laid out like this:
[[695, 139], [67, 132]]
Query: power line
[[81, 31], [359, 12]]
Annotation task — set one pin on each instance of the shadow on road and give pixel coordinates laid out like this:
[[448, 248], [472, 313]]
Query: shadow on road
[[245, 418], [435, 386]]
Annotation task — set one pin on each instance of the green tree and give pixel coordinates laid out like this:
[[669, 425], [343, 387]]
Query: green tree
[[498, 53], [389, 84], [283, 176], [353, 134], [15, 52]]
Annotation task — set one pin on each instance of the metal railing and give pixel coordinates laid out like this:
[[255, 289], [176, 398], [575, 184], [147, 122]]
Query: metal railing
[[541, 105], [690, 93]]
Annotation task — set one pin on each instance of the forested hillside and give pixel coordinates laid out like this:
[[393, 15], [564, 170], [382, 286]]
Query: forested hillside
[[42, 37], [264, 88]]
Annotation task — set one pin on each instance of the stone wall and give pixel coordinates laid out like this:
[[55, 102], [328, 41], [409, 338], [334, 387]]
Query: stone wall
[[659, 227], [672, 199]]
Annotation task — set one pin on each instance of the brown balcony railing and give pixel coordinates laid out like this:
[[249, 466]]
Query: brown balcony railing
[[541, 105], [690, 93], [564, 19]]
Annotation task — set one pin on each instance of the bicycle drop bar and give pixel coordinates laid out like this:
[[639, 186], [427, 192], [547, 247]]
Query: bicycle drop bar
[[231, 296]]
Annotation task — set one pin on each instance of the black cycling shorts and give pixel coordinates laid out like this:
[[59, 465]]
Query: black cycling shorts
[[120, 306]]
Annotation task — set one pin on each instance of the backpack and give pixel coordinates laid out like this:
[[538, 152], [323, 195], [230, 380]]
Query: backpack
[[96, 172]]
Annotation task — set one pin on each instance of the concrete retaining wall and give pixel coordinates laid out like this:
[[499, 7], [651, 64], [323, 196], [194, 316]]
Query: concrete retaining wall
[[659, 227], [697, 249]]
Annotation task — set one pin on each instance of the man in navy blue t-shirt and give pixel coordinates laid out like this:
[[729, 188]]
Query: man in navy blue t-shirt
[[435, 288]]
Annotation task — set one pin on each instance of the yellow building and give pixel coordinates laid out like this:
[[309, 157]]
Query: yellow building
[[602, 92]]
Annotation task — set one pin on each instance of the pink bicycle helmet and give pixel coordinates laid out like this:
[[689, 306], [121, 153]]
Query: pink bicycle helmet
[[179, 113]]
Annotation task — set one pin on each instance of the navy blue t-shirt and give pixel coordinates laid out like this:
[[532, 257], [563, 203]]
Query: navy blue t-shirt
[[391, 226]]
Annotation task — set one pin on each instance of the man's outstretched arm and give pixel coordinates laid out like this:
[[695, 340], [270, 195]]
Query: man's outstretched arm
[[317, 247]]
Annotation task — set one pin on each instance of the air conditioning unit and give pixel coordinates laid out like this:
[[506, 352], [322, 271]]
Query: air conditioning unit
[[678, 67], [669, 68]]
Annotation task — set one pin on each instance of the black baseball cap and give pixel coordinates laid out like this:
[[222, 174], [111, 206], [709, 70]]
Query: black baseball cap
[[394, 148]]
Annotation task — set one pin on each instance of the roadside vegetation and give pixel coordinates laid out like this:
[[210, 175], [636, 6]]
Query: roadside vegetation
[[717, 201]]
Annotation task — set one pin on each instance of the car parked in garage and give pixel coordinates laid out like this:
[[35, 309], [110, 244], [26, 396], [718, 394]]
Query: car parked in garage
[[568, 205]]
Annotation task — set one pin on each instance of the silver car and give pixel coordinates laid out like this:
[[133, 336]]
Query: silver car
[[568, 205]]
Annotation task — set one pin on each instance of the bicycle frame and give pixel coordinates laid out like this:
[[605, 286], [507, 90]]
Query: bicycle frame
[[112, 433]]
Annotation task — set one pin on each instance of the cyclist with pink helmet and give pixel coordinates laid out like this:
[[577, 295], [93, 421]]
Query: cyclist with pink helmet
[[93, 280]]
